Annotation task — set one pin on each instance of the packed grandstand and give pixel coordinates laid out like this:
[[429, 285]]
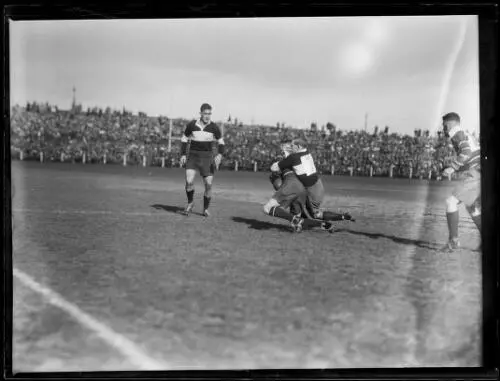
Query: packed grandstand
[[44, 132]]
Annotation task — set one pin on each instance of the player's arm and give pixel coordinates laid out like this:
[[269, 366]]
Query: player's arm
[[464, 150], [220, 141], [184, 142], [286, 163], [185, 139], [220, 145], [276, 180]]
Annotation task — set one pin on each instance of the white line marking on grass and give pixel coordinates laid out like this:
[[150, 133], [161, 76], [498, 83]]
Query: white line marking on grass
[[123, 345]]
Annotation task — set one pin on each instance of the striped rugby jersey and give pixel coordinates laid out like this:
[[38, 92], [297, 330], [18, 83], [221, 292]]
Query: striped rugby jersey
[[467, 148], [302, 163], [201, 137]]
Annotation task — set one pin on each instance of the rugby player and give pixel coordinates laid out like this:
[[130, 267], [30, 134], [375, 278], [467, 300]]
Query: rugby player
[[290, 193], [300, 207], [300, 161], [201, 133], [468, 191]]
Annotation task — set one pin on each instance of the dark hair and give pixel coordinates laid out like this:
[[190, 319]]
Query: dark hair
[[205, 106], [300, 142], [451, 116]]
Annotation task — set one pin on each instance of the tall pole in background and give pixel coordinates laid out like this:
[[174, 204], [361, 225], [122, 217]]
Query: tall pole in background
[[366, 121], [169, 149], [73, 105]]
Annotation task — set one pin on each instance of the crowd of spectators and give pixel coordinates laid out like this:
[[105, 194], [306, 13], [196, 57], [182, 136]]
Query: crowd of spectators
[[112, 136]]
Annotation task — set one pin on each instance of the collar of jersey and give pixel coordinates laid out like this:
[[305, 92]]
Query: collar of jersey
[[199, 123]]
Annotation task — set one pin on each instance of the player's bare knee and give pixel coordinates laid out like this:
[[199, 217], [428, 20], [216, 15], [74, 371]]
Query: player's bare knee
[[189, 186], [208, 190], [270, 204], [452, 204]]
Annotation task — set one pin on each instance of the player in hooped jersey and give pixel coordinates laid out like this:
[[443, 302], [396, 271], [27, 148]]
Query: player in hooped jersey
[[291, 194], [201, 133], [468, 191], [301, 162]]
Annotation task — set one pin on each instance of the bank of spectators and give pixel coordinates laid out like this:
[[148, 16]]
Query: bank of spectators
[[112, 136]]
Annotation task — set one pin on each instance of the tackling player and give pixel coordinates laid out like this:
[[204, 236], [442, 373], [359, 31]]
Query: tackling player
[[201, 133], [300, 161], [290, 193], [299, 207], [468, 191]]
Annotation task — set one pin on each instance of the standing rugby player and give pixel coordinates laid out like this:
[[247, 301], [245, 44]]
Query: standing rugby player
[[468, 191], [201, 133], [301, 162]]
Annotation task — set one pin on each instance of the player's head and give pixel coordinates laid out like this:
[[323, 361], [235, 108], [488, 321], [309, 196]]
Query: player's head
[[450, 120], [286, 147], [205, 112], [299, 144]]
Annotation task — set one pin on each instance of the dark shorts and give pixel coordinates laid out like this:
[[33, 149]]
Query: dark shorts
[[291, 191], [202, 162]]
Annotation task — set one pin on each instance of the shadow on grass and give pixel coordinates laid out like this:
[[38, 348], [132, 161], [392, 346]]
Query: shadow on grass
[[401, 240], [173, 209], [260, 225]]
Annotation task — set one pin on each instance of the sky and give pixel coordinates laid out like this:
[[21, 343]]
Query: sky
[[403, 72]]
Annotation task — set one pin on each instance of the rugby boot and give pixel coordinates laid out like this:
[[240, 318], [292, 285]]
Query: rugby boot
[[189, 208], [206, 213], [347, 217], [328, 226], [297, 224], [452, 245]]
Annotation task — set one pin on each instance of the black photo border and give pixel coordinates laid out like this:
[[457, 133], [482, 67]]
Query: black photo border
[[488, 55]]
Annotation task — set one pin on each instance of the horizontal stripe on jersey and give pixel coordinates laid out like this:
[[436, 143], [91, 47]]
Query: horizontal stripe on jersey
[[202, 137], [302, 164], [467, 149]]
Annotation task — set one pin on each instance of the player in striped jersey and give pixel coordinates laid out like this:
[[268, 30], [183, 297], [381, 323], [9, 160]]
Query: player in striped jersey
[[201, 133], [468, 191], [290, 193], [301, 162]]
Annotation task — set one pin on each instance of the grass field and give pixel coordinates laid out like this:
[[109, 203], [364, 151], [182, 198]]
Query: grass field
[[237, 290]]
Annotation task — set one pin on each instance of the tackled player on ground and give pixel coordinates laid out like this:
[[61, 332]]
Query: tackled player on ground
[[291, 193]]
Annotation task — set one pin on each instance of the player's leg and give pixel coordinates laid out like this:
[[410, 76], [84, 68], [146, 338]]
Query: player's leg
[[470, 194], [315, 196], [287, 193], [207, 196], [333, 216], [190, 176], [452, 217], [290, 193], [207, 170]]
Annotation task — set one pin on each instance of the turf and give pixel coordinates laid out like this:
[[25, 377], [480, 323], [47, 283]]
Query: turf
[[239, 290]]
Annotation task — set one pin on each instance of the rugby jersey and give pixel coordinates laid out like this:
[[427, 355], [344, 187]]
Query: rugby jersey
[[201, 137], [467, 149], [302, 163]]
